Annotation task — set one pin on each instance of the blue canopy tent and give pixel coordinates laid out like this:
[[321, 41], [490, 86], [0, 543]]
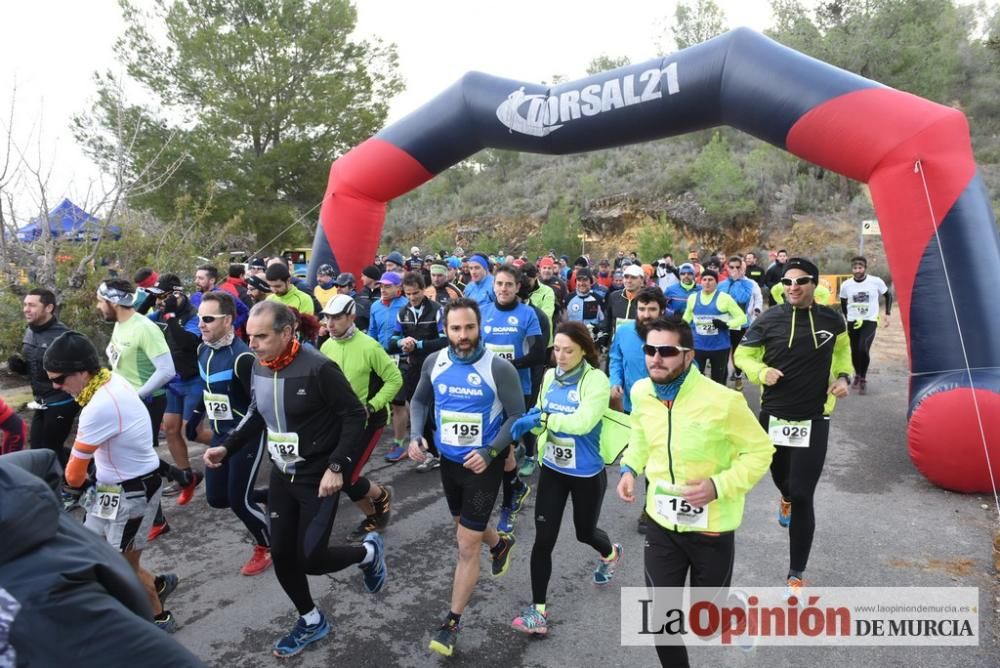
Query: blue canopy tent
[[69, 222]]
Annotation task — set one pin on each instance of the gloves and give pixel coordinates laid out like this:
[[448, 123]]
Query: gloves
[[526, 423], [191, 430], [17, 364], [720, 324]]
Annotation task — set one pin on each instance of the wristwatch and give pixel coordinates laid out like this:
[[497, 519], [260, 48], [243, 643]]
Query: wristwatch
[[335, 468]]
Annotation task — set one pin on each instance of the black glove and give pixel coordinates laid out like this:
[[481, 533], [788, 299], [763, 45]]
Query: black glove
[[17, 364], [719, 324], [191, 430]]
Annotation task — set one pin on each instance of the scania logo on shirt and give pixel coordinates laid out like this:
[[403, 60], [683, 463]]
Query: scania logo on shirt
[[443, 388], [460, 391], [487, 329], [504, 330], [512, 320], [474, 379], [540, 115], [575, 306], [573, 396]]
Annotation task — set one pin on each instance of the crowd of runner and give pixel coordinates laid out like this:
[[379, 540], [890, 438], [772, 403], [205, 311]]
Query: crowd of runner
[[507, 376]]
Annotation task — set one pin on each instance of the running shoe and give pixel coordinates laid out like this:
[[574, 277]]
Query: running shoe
[[165, 622], [172, 489], [187, 492], [520, 494], [165, 583], [429, 464], [259, 561], [367, 525], [157, 530], [398, 453], [69, 501], [375, 573], [857, 381], [505, 524], [501, 558], [528, 466], [445, 639], [605, 570], [739, 384], [793, 588], [383, 509], [531, 621], [863, 387], [784, 512], [301, 635]]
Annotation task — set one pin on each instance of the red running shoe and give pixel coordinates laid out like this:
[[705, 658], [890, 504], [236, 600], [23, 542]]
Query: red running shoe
[[258, 563], [187, 493]]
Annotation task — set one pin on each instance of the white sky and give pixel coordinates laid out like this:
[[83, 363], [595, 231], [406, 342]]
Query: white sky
[[50, 48]]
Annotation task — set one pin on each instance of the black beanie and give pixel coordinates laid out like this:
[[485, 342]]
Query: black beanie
[[802, 264], [70, 352], [372, 272]]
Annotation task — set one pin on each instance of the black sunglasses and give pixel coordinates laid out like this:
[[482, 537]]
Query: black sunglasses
[[210, 318], [664, 351], [801, 280], [61, 379], [735, 266]]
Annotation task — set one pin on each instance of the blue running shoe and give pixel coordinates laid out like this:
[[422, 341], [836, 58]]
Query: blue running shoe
[[506, 522], [784, 512], [606, 567], [375, 573], [397, 454], [303, 634], [519, 496]]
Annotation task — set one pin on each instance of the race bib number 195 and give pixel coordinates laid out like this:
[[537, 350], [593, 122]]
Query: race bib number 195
[[461, 430]]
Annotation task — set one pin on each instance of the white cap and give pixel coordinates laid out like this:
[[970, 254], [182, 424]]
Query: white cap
[[633, 270], [339, 305]]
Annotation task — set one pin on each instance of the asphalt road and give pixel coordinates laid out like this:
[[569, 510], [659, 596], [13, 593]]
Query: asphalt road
[[879, 524]]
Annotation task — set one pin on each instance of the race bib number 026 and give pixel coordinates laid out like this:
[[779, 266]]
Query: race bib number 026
[[789, 433]]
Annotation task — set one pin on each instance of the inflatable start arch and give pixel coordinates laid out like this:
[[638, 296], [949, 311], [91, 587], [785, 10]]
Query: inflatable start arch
[[915, 155]]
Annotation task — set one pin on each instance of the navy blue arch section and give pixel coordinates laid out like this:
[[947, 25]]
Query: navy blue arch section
[[934, 338], [663, 97], [322, 254]]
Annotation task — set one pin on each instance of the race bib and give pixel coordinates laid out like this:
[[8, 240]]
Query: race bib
[[284, 447], [113, 355], [676, 509], [703, 325], [217, 406], [789, 433], [107, 502], [857, 311], [504, 351], [561, 452], [462, 430]]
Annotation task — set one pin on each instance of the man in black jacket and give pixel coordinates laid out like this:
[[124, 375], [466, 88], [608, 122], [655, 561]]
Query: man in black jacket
[[314, 425], [54, 409]]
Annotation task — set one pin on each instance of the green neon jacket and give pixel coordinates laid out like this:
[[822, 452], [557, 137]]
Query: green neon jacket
[[366, 363], [708, 432]]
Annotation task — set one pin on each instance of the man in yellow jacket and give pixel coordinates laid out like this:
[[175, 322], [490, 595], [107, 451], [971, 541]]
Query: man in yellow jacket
[[702, 450]]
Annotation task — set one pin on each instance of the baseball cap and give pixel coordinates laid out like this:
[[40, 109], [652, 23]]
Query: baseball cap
[[346, 278], [339, 305], [634, 270], [166, 283], [390, 278]]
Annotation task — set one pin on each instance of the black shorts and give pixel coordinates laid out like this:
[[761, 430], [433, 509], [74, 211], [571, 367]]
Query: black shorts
[[471, 496]]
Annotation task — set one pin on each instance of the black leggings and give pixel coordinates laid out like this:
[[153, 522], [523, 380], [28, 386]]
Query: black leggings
[[300, 530], [554, 489], [796, 472], [719, 360], [51, 427], [670, 555], [735, 336], [861, 345]]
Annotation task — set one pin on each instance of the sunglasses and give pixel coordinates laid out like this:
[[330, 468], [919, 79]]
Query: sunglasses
[[211, 318], [664, 351], [60, 380], [735, 266], [801, 280]]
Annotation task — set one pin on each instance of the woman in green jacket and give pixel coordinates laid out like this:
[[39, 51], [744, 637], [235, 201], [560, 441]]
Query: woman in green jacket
[[568, 417]]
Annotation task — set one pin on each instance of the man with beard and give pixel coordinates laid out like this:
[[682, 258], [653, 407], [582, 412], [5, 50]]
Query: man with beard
[[54, 409], [702, 451], [477, 397]]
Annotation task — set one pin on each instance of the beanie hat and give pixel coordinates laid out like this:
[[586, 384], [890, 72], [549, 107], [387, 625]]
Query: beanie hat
[[802, 264], [70, 352], [372, 272]]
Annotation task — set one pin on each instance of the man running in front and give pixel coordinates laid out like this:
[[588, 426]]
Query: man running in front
[[314, 426], [477, 397]]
